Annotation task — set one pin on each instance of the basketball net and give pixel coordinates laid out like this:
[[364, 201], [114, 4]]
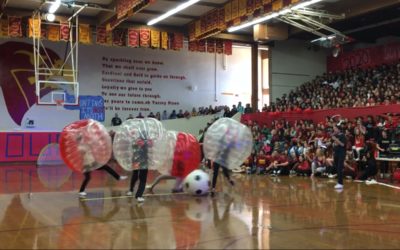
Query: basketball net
[[60, 104]]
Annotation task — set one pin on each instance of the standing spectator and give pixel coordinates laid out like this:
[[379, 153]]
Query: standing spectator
[[383, 146], [151, 115], [186, 114], [180, 114], [164, 115], [194, 112], [130, 117], [240, 108], [172, 115], [233, 111], [116, 121], [339, 142], [248, 109], [158, 116]]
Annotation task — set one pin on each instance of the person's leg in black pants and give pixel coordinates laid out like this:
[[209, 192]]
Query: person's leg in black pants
[[140, 174], [110, 171], [85, 182], [225, 171], [134, 178], [142, 182], [339, 167]]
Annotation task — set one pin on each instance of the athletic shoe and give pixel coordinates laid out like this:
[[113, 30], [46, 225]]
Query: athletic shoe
[[82, 194], [371, 182], [331, 176], [129, 193], [123, 177], [338, 186], [140, 199]]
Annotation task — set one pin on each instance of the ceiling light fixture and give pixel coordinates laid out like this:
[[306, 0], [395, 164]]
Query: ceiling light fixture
[[54, 6], [50, 17], [273, 15], [256, 21], [172, 12]]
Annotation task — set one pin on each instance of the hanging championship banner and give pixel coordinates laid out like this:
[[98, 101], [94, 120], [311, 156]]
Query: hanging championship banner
[[250, 7], [277, 5], [118, 37], [43, 31], [221, 20], [201, 46], [235, 9], [14, 26], [133, 37], [193, 46], [191, 28], [84, 34], [220, 46], [197, 28], [242, 7], [3, 27], [211, 46], [164, 40], [145, 38], [258, 4], [64, 31], [228, 12], [101, 35], [155, 39], [53, 33], [295, 1], [34, 27], [109, 38], [228, 48], [177, 41]]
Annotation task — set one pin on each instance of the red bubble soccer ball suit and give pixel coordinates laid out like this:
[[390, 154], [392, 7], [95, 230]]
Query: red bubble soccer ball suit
[[85, 145], [187, 155]]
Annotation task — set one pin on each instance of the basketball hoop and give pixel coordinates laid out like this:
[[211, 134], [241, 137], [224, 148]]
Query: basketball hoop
[[60, 104]]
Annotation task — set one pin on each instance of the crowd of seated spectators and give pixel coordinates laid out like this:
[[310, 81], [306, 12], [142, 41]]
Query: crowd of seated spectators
[[305, 148], [351, 88]]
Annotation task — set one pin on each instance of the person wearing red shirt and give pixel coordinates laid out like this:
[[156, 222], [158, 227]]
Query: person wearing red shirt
[[302, 167], [359, 142], [279, 164], [261, 162]]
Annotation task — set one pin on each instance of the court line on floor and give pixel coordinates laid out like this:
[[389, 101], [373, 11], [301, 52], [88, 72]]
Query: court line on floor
[[130, 196], [388, 185]]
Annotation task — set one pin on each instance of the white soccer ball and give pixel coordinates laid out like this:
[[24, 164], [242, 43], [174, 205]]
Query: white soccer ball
[[197, 183]]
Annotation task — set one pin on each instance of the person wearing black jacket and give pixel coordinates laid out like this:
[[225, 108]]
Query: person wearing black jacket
[[339, 142]]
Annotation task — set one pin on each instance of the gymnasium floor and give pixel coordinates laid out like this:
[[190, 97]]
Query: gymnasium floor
[[259, 212]]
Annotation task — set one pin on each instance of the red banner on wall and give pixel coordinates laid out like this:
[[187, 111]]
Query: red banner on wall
[[14, 26], [101, 35], [220, 46], [118, 37], [177, 41], [365, 58], [133, 37], [228, 48], [145, 38], [201, 46], [64, 31]]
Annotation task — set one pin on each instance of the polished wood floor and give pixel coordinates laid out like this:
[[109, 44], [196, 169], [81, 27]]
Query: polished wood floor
[[39, 212]]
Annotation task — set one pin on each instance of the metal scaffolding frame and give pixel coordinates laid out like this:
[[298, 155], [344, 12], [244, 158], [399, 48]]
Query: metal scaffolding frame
[[315, 21], [45, 69]]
